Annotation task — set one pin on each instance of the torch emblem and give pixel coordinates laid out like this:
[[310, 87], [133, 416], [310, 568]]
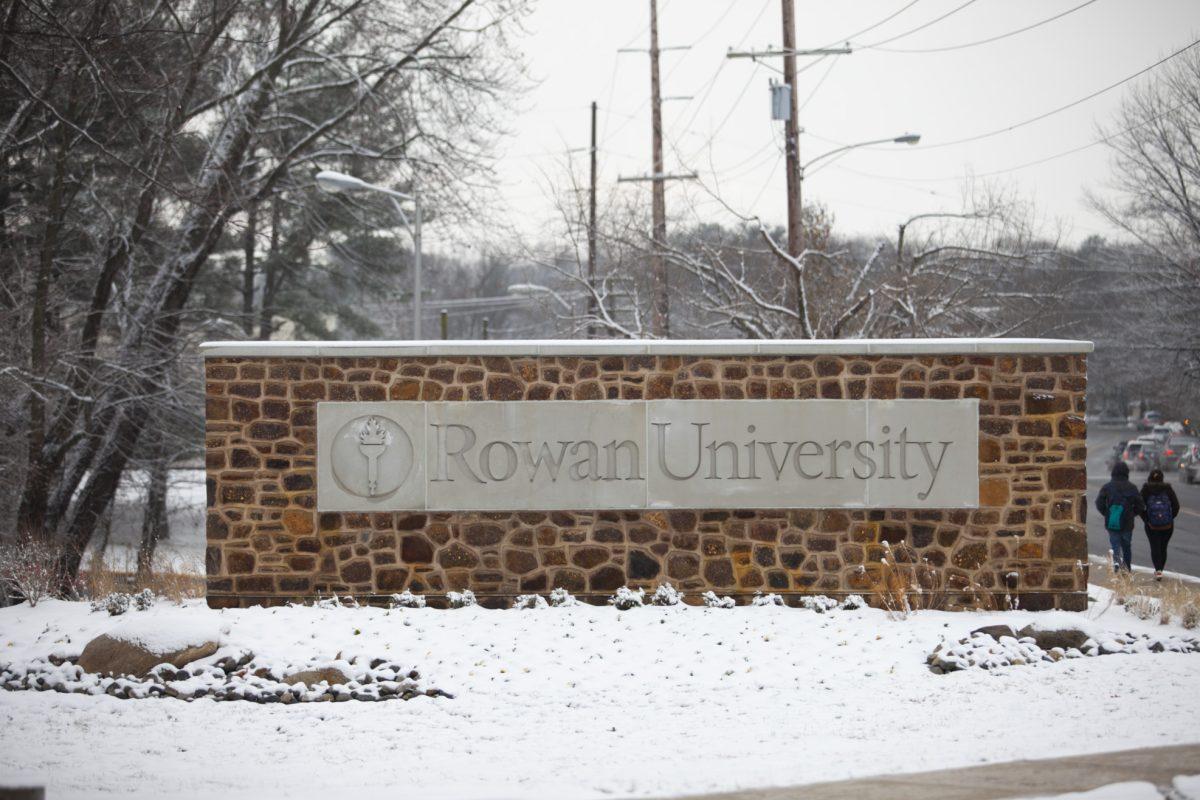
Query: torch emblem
[[372, 441], [370, 456]]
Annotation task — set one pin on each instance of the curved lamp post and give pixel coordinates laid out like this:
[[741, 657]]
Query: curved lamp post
[[907, 138], [336, 182]]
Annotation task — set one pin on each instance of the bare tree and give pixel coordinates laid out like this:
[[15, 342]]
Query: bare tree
[[982, 271], [1155, 140], [133, 136]]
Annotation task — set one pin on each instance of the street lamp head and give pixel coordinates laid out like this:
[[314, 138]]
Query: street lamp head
[[339, 182], [908, 138]]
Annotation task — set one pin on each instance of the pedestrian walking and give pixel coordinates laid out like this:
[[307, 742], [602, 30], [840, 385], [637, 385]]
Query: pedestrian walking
[[1161, 509], [1120, 504]]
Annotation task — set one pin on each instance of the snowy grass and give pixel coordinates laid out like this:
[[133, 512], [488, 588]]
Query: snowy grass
[[588, 702]]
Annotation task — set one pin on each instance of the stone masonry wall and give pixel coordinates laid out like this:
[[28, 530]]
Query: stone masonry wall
[[267, 543]]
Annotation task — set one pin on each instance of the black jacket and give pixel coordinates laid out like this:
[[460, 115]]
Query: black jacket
[[1151, 489], [1120, 490]]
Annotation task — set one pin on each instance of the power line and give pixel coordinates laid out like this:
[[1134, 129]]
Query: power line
[[870, 28], [984, 41], [1061, 108], [721, 65], [910, 32], [1063, 154], [816, 88]]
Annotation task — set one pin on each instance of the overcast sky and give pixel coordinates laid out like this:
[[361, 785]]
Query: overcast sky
[[726, 135]]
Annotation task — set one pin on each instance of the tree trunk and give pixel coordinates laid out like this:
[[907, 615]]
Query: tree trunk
[[155, 524], [248, 269]]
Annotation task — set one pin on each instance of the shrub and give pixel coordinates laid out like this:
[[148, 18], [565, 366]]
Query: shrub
[[771, 599], [530, 601], [561, 598], [462, 599], [115, 603], [144, 600], [712, 601], [31, 570], [1189, 615], [407, 599], [1141, 606], [666, 595], [853, 602], [626, 598], [819, 603]]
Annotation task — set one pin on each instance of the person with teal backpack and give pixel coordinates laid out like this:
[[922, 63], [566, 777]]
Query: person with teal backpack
[[1162, 507], [1120, 504]]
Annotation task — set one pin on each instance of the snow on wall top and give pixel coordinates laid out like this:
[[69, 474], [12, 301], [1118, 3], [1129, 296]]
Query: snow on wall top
[[581, 347]]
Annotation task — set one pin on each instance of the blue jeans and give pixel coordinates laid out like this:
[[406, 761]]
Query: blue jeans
[[1121, 544]]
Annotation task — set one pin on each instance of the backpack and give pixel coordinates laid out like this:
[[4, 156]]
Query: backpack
[[1116, 514], [1158, 511]]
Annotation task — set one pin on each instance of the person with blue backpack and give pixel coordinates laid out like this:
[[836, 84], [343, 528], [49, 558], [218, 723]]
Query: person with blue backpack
[[1162, 507], [1120, 504]]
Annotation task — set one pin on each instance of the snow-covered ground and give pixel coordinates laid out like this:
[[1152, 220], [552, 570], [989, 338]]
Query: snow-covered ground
[[590, 702]]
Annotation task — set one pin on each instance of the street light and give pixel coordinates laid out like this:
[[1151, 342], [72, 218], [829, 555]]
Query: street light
[[336, 182], [906, 138]]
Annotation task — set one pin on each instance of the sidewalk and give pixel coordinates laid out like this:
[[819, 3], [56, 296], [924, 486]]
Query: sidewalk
[[1012, 779]]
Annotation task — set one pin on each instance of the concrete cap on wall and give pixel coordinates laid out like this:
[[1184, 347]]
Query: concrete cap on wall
[[639, 347]]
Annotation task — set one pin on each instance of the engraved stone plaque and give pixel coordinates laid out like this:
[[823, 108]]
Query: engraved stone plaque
[[634, 454]]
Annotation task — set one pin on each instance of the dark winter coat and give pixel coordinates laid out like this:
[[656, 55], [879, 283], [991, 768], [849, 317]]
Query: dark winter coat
[[1149, 490], [1120, 490]]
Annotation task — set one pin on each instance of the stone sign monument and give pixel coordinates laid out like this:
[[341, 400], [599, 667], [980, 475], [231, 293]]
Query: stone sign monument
[[515, 467]]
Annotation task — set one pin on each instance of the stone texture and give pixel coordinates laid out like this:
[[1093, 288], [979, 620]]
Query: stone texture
[[267, 543]]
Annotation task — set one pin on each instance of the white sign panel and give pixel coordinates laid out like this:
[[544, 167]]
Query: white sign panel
[[612, 454]]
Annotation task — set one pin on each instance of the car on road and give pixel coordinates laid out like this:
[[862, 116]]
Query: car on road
[[1148, 421], [1175, 449], [1189, 465], [1161, 433], [1141, 455]]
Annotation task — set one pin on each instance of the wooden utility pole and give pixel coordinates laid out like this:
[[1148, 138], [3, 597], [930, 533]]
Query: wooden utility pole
[[660, 312], [660, 320], [791, 135], [591, 234]]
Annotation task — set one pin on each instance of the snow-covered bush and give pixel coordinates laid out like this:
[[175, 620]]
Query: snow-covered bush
[[1189, 616], [561, 598], [666, 595], [852, 602], [771, 599], [144, 600], [530, 601], [115, 603], [407, 599], [336, 602], [1141, 606], [626, 598], [712, 601], [818, 603], [461, 599]]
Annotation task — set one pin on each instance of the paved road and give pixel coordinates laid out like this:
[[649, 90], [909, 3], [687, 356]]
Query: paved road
[[1041, 778], [1184, 552]]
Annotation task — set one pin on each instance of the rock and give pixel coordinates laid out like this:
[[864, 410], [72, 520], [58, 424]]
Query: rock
[[311, 677], [1066, 638], [108, 655], [996, 631]]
